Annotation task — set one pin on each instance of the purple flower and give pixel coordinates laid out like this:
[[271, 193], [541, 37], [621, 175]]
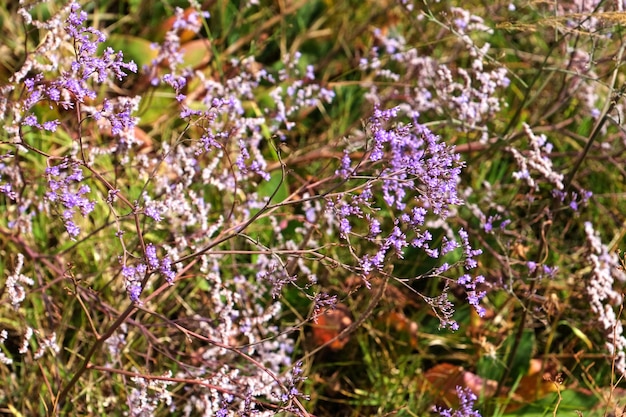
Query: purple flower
[[151, 256], [31, 120], [51, 125], [474, 297], [375, 229], [72, 229], [466, 405], [7, 189], [345, 170], [412, 173], [134, 291], [66, 189], [344, 227], [167, 271], [448, 245], [153, 212]]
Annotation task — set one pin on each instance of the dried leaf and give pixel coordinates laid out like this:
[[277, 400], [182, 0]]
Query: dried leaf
[[402, 324], [185, 35], [539, 382], [329, 324], [445, 377]]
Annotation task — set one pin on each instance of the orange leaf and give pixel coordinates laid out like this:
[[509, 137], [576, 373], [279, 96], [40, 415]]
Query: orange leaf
[[539, 382], [404, 325], [445, 377], [443, 380], [329, 324], [185, 35]]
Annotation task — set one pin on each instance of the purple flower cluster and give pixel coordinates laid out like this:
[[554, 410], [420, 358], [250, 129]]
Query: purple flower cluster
[[606, 273], [147, 396], [88, 63], [134, 276], [474, 296], [466, 405], [292, 386], [163, 265], [416, 176], [573, 199], [270, 271], [222, 149], [72, 85], [417, 169], [545, 271], [170, 52], [536, 162], [16, 282], [53, 82], [66, 189], [466, 94]]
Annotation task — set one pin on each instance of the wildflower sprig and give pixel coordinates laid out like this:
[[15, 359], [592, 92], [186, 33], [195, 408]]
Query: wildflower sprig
[[416, 175]]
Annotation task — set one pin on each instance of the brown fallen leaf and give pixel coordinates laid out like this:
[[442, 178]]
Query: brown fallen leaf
[[442, 380], [185, 35], [540, 381], [329, 324], [407, 328]]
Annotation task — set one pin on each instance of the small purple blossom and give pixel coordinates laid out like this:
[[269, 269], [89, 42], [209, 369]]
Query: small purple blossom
[[134, 291], [344, 227], [375, 229], [164, 265], [31, 120], [344, 171], [470, 262], [7, 189], [166, 269], [550, 271], [51, 125], [65, 188], [466, 405], [133, 276], [151, 256], [474, 296], [153, 212], [448, 245], [296, 378]]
